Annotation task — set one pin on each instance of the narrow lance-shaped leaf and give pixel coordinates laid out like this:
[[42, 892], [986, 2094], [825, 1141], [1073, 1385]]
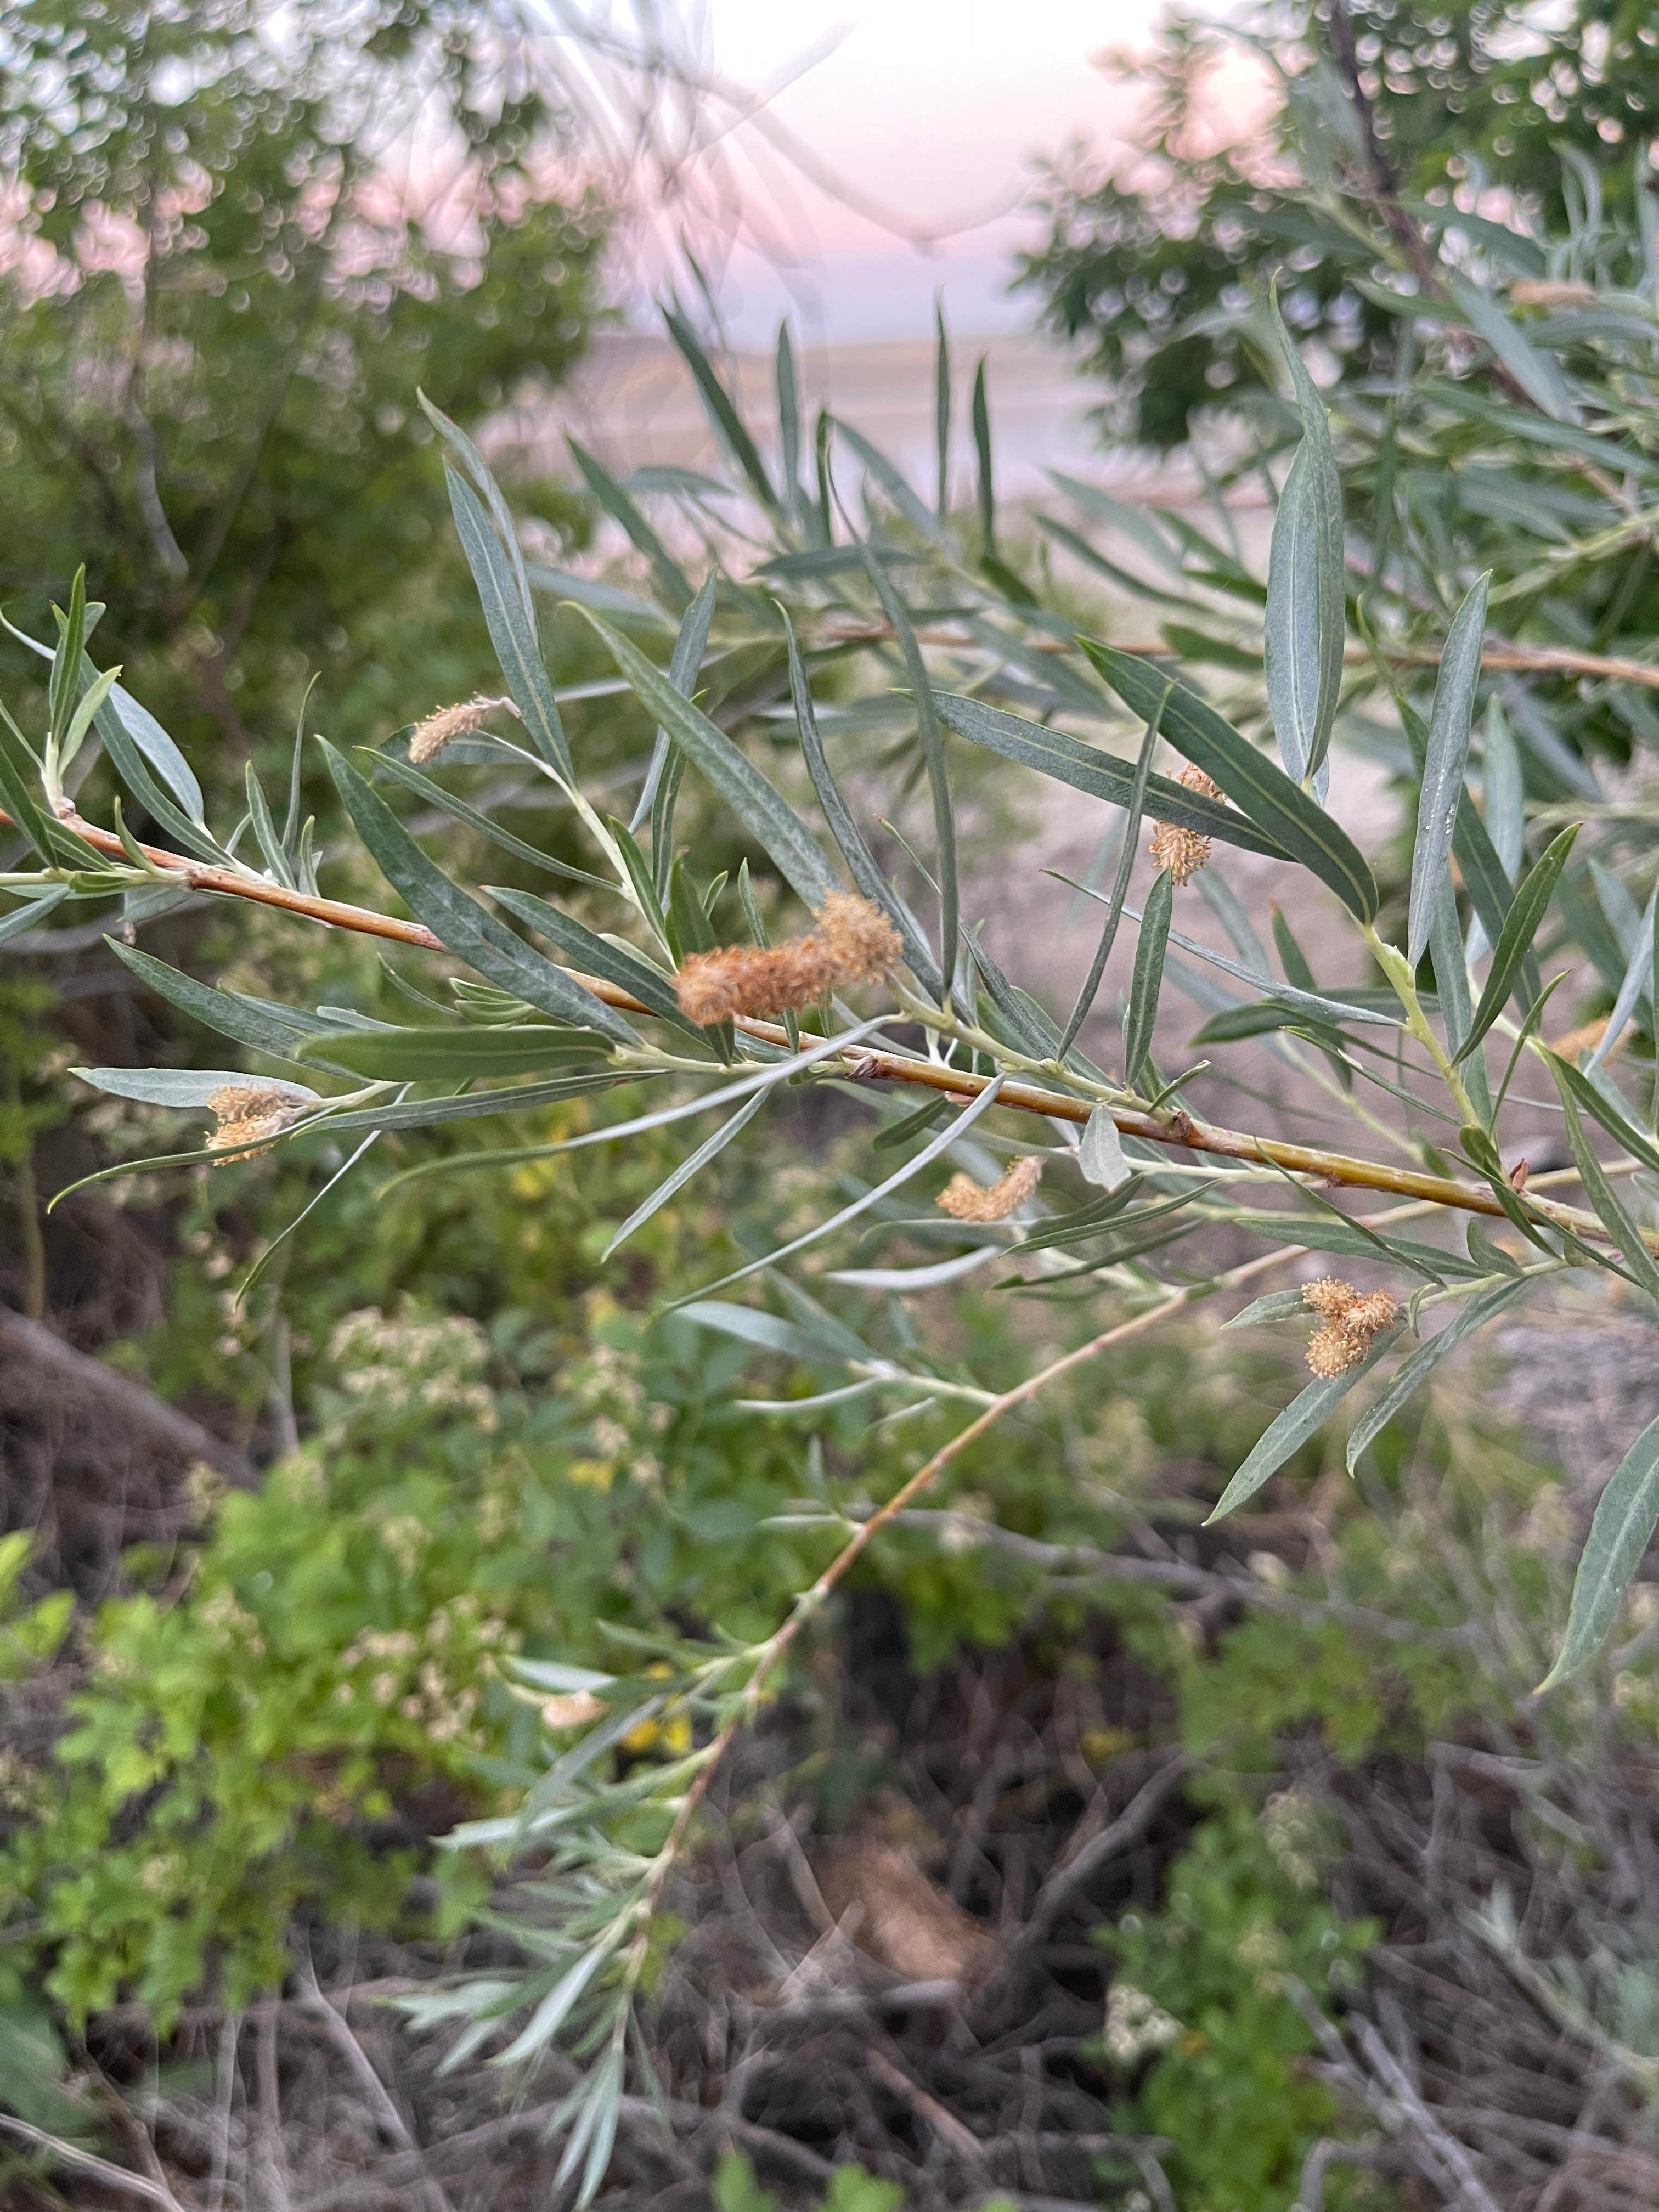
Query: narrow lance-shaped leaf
[[512, 628], [788, 389], [933, 746], [674, 584], [1639, 977], [859, 860], [691, 1166], [1620, 1533], [722, 413], [1443, 769], [1298, 825], [1609, 1208], [987, 496], [757, 804], [1089, 769], [684, 662], [1303, 632], [1148, 978], [1521, 927], [1415, 1372], [459, 922], [1085, 997], [1303, 1417], [925, 1159], [617, 964]]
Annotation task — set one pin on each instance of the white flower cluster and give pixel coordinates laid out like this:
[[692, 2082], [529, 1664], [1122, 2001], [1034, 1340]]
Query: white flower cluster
[[1136, 2025], [1294, 1836], [402, 1361]]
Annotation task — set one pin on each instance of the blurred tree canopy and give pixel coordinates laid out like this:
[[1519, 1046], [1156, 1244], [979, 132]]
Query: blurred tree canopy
[[1436, 116], [236, 241]]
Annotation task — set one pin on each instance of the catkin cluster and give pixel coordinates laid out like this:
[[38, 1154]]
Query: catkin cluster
[[1183, 851], [853, 942], [429, 738], [967, 1201], [1349, 1321], [248, 1113]]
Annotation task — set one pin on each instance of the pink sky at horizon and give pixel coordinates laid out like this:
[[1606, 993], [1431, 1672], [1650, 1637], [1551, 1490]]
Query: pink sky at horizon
[[934, 108]]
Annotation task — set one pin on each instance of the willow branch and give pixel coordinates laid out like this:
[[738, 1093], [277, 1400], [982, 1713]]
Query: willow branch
[[1171, 1127], [1500, 656]]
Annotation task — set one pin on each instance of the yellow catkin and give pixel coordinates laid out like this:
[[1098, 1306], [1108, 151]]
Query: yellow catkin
[[449, 723], [1183, 851], [853, 942], [246, 1114], [967, 1201], [1349, 1321]]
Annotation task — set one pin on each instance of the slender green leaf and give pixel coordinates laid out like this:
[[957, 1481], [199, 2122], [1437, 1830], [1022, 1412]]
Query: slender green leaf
[[1605, 1202], [1442, 786], [32, 911], [987, 496], [1637, 982], [480, 1105], [757, 804], [1297, 823], [932, 746], [1147, 981], [1089, 769], [1091, 982], [845, 830], [1515, 939], [511, 629], [929, 1153], [728, 424], [187, 1088], [1415, 1372], [687, 1167], [1303, 629], [1277, 1305], [689, 647], [617, 964], [942, 412], [400, 771], [1623, 1522], [421, 1055], [672, 582], [1305, 1415], [788, 391], [459, 922]]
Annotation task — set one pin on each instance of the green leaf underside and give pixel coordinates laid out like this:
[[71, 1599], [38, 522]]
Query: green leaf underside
[[1620, 1533], [1302, 1419], [421, 1055]]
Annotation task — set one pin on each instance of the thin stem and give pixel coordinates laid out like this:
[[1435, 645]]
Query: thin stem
[[1177, 1129]]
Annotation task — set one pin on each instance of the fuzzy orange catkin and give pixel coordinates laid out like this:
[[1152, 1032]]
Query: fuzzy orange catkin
[[442, 729], [1183, 851], [1349, 1321], [248, 1113], [967, 1201], [853, 942]]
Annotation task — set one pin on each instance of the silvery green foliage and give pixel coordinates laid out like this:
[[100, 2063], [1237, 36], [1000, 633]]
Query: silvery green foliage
[[896, 641]]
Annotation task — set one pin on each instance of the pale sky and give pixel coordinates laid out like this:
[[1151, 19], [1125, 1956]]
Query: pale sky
[[932, 107]]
